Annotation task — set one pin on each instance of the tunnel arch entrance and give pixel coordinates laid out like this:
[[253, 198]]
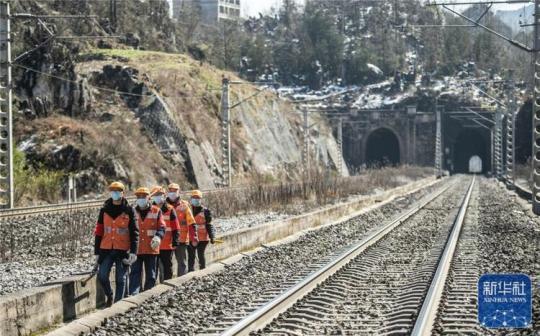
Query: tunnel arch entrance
[[470, 143], [475, 164], [382, 148]]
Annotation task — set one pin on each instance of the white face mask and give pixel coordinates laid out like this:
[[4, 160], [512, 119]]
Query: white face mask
[[158, 199], [173, 196], [142, 203], [116, 195]]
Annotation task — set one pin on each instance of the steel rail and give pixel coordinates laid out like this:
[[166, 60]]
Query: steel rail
[[264, 315], [92, 204], [428, 313], [523, 191]]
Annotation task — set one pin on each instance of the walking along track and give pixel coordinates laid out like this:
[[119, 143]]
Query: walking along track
[[377, 286], [82, 205]]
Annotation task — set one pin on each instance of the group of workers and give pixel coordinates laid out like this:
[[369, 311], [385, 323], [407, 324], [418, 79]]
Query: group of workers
[[159, 226]]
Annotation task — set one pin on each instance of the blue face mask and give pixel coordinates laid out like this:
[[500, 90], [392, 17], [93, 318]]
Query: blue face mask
[[196, 202], [173, 196], [116, 195], [142, 203], [157, 199]]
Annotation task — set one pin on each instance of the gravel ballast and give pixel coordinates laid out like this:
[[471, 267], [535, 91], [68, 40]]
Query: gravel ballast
[[38, 249], [34, 266], [200, 303], [368, 294]]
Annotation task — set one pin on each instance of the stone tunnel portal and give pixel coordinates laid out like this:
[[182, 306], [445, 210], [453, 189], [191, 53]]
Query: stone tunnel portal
[[470, 143], [382, 148]]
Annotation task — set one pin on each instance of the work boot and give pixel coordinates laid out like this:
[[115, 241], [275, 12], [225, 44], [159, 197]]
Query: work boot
[[109, 301]]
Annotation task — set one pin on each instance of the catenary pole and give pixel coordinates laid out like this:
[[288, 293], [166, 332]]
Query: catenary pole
[[7, 191], [226, 134], [536, 114]]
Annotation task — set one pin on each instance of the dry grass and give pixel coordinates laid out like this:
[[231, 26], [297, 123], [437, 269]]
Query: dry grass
[[193, 91], [524, 172], [318, 190], [74, 237], [100, 143]]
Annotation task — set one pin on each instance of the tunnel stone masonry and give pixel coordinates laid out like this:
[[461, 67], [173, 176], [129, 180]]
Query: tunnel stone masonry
[[406, 136], [389, 137]]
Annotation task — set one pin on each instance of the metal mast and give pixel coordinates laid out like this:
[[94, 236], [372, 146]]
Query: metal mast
[[510, 156], [498, 144], [6, 118], [438, 142], [226, 134], [305, 144], [536, 113], [340, 145]]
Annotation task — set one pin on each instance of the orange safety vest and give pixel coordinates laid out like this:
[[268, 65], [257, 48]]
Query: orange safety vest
[[147, 230], [115, 233], [200, 221], [166, 242], [181, 209]]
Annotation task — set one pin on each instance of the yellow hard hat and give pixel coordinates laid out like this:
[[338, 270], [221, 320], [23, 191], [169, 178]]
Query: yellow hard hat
[[142, 191], [116, 186], [157, 190], [196, 193], [174, 186]]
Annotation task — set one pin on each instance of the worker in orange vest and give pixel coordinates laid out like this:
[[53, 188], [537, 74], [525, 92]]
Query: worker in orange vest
[[187, 229], [172, 232], [152, 229], [205, 230], [116, 241]]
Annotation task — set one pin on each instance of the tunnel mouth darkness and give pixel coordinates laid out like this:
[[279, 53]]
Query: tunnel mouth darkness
[[382, 148], [469, 143]]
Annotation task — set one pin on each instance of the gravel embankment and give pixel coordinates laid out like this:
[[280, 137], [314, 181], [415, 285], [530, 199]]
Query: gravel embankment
[[38, 250], [510, 241], [498, 236], [369, 294], [41, 248], [48, 259], [507, 241], [199, 304]]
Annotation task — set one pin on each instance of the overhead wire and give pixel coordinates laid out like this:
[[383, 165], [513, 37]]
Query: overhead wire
[[155, 125]]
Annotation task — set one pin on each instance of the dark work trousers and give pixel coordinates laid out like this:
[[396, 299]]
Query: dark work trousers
[[148, 262], [181, 258], [165, 261], [113, 257], [199, 249]]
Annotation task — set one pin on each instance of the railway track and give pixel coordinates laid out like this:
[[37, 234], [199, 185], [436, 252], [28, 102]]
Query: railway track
[[47, 209], [378, 286], [93, 204], [458, 311]]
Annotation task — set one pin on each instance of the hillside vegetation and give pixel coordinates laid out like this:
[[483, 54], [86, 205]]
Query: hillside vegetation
[[152, 117]]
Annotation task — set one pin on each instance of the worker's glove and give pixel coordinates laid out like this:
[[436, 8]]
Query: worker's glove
[[130, 259], [211, 240], [156, 241]]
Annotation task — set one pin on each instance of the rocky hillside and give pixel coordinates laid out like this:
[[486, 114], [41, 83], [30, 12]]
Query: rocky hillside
[[150, 117]]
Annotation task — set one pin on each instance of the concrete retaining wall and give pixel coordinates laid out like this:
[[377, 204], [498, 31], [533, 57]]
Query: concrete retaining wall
[[33, 310], [250, 238]]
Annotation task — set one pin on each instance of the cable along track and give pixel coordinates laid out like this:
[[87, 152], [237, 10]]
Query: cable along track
[[373, 287]]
